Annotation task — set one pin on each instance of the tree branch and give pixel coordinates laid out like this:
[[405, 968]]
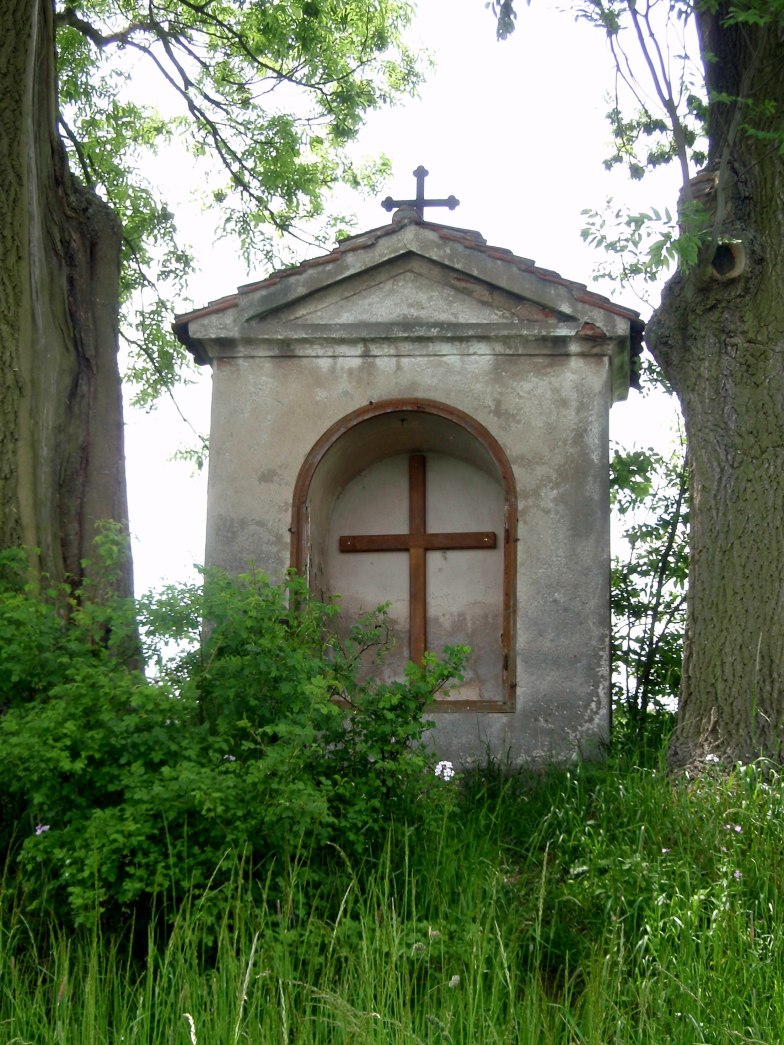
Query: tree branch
[[84, 160], [69, 17], [660, 82], [660, 581]]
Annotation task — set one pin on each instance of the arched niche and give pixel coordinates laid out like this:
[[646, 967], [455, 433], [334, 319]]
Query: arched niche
[[354, 480]]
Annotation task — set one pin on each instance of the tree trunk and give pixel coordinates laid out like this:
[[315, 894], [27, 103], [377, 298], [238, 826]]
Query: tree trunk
[[719, 338], [61, 428]]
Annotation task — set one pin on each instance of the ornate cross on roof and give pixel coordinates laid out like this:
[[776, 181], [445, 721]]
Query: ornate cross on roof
[[417, 542], [420, 202]]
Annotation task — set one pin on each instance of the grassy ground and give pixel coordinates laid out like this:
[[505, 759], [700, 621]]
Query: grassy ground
[[597, 905]]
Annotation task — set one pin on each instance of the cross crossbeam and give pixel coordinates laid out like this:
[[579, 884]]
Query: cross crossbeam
[[420, 202], [417, 542]]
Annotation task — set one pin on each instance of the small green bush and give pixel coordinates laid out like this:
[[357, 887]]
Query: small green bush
[[249, 737]]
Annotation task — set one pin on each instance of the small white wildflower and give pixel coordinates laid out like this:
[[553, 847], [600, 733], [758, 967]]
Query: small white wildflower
[[41, 829], [433, 934], [454, 982], [737, 875], [229, 758], [733, 827], [445, 770], [712, 758], [665, 851]]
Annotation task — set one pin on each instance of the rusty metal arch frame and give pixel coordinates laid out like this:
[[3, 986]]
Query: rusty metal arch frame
[[341, 428]]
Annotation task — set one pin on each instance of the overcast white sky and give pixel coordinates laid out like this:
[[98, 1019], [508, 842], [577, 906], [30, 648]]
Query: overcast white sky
[[516, 131]]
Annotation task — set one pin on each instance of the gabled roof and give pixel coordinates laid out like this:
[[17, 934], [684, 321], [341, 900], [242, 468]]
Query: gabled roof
[[405, 233]]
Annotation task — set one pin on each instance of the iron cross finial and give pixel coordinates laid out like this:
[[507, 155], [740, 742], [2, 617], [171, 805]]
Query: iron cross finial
[[420, 202]]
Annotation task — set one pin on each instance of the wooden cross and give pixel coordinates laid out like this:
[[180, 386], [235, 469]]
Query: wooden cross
[[420, 202], [417, 542]]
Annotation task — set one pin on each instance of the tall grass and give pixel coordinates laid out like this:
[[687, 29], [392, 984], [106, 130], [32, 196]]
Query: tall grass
[[595, 905]]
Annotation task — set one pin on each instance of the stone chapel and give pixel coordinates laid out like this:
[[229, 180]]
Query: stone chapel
[[421, 419]]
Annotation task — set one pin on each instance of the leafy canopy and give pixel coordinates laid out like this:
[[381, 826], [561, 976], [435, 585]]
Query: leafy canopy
[[269, 93]]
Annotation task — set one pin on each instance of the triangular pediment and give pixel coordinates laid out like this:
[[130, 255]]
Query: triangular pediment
[[410, 292], [409, 284]]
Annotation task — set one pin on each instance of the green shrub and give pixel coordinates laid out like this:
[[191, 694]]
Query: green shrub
[[249, 738]]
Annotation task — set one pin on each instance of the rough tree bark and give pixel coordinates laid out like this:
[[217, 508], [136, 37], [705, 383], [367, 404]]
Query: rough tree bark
[[61, 428], [719, 338]]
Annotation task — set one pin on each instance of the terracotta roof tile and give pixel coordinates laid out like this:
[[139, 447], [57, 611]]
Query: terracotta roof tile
[[470, 239]]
